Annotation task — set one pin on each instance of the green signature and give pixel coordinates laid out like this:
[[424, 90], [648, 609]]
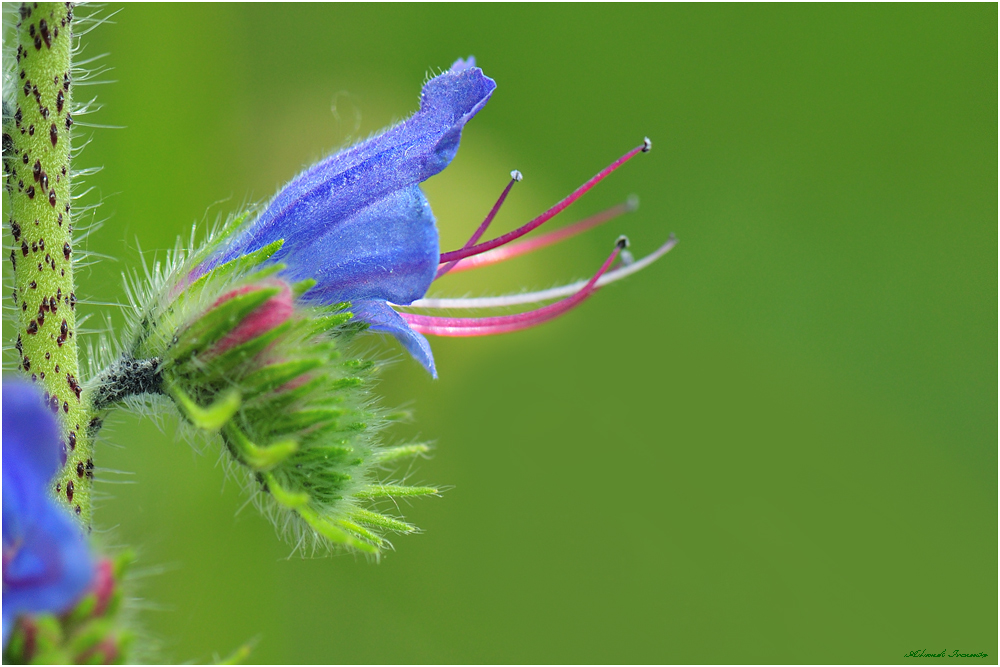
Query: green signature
[[944, 654]]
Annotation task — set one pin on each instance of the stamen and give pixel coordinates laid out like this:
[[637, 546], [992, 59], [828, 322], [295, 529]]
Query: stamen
[[462, 253], [486, 326], [515, 177], [554, 293], [531, 245]]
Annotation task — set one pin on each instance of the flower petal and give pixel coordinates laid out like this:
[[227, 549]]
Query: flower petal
[[387, 251], [50, 568], [382, 318], [46, 562], [31, 456], [330, 194]]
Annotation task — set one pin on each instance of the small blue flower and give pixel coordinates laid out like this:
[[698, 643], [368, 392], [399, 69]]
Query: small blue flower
[[46, 562], [359, 224]]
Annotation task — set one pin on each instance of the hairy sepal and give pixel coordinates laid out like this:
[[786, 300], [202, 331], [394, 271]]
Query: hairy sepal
[[244, 359]]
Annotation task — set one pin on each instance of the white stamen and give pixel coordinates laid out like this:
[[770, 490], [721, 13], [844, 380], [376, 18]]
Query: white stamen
[[516, 175], [549, 294]]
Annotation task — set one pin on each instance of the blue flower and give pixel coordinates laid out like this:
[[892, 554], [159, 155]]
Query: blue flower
[[359, 225], [358, 222], [46, 562]]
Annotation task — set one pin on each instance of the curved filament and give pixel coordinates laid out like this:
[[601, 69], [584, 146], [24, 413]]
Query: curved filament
[[469, 251], [515, 176], [523, 247], [549, 294], [487, 326]]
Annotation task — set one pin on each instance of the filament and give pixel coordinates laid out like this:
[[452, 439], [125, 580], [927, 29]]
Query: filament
[[486, 326], [515, 176], [462, 253], [523, 247], [549, 294]]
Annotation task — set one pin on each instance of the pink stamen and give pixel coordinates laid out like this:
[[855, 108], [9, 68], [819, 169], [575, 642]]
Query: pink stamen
[[462, 253], [515, 176], [523, 247], [487, 326]]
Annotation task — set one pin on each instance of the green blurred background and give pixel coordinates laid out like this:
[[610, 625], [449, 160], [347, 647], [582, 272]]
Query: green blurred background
[[778, 444]]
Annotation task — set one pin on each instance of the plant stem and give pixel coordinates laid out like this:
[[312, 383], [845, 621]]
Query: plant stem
[[37, 165]]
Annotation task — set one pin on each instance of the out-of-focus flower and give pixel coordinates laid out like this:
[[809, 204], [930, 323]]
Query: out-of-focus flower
[[46, 561]]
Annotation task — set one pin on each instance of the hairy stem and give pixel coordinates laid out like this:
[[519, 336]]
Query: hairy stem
[[37, 165]]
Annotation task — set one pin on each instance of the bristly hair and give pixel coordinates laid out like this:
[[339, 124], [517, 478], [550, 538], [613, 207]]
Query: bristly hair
[[324, 491], [86, 71]]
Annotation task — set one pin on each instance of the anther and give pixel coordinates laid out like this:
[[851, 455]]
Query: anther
[[647, 145], [622, 242], [516, 175]]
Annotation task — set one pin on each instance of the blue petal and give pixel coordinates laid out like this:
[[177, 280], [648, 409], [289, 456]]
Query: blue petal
[[47, 564], [334, 191], [387, 250], [382, 318], [31, 456], [30, 432], [51, 567]]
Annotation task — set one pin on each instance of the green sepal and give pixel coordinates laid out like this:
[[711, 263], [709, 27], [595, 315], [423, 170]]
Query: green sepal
[[226, 232], [334, 533], [237, 657], [396, 491], [382, 521], [289, 499], [401, 452], [399, 416], [274, 376], [259, 458], [359, 365], [324, 323], [83, 610], [218, 321], [48, 641], [322, 454], [89, 636], [346, 383], [235, 356], [303, 286], [211, 418], [361, 532], [237, 266], [302, 419]]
